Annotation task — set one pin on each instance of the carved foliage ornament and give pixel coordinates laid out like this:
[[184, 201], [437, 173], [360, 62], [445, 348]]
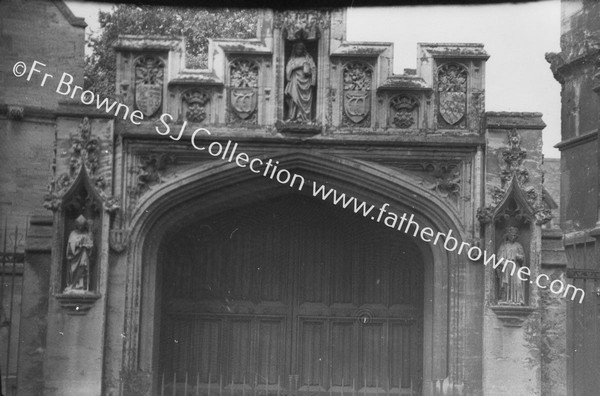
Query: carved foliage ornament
[[357, 91], [150, 171], [149, 77], [515, 176], [84, 153], [452, 94], [196, 102], [243, 76], [444, 178], [301, 25], [404, 110]]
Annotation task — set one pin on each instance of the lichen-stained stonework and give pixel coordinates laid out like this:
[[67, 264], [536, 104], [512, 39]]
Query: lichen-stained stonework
[[333, 112]]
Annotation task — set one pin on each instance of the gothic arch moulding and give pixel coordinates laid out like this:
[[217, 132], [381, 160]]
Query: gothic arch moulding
[[211, 188]]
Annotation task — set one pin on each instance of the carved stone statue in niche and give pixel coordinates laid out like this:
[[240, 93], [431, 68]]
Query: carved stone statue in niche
[[301, 75], [79, 255], [511, 290]]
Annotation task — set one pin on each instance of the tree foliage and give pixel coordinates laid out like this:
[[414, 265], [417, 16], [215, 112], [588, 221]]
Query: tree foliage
[[195, 24]]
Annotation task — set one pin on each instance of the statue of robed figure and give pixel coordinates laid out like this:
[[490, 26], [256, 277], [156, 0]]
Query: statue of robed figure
[[301, 74], [511, 288], [79, 253]]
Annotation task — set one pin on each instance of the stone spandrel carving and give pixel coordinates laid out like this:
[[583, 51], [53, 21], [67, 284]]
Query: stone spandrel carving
[[301, 78], [243, 99], [195, 102], [79, 253], [443, 178], [452, 95], [511, 289], [404, 111], [149, 78], [357, 94]]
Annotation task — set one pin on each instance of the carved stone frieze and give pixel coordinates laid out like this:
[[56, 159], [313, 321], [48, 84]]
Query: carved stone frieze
[[149, 79], [195, 102], [301, 24], [452, 95], [404, 111], [243, 97], [357, 94]]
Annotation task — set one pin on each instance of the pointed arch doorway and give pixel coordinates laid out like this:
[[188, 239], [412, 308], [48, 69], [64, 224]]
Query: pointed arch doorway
[[290, 296]]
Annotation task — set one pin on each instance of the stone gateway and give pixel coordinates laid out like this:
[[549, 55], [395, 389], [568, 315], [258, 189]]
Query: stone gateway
[[180, 255]]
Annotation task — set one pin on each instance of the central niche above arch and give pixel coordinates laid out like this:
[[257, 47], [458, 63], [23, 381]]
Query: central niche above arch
[[290, 295], [300, 92]]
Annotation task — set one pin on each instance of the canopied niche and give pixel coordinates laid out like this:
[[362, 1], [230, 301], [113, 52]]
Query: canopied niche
[[82, 210], [301, 31]]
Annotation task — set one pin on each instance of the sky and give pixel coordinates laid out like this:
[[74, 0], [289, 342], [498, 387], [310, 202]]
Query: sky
[[517, 36]]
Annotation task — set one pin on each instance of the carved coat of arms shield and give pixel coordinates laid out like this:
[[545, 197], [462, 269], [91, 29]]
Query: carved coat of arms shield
[[148, 85], [452, 87], [452, 106], [243, 102], [148, 98], [357, 105]]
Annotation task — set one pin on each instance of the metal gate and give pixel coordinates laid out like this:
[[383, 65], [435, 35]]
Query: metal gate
[[11, 283]]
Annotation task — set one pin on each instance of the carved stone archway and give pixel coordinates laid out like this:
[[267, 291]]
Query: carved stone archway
[[218, 187]]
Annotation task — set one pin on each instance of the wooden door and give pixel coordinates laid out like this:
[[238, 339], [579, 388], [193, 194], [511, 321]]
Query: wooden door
[[291, 297]]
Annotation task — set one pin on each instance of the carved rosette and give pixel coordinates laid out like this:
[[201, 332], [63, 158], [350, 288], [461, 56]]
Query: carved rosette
[[452, 95], [84, 160], [194, 103], [357, 94], [149, 79], [301, 24], [243, 88], [404, 111]]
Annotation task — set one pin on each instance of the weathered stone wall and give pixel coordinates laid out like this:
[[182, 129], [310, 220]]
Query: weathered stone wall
[[511, 345], [56, 38]]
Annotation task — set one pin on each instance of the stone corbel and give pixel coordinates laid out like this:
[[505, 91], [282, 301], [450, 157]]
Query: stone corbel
[[512, 316], [119, 239], [77, 304]]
